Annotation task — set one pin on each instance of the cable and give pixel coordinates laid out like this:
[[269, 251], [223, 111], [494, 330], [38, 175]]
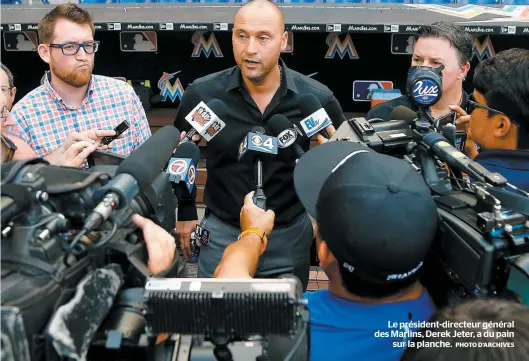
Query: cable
[[74, 242], [294, 349], [105, 240]]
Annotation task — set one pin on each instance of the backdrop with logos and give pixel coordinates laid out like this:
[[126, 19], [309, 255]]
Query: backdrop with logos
[[350, 64]]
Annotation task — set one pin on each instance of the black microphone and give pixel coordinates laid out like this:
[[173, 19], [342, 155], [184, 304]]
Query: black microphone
[[316, 118], [182, 168], [257, 144], [403, 113], [286, 135], [206, 120], [136, 173]]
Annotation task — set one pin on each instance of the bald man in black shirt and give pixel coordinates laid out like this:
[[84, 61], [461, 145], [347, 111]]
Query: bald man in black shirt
[[259, 87]]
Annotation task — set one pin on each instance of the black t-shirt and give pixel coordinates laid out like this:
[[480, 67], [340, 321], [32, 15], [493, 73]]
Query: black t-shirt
[[229, 180], [384, 110]]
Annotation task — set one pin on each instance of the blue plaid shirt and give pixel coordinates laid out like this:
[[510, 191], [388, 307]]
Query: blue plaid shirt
[[44, 121]]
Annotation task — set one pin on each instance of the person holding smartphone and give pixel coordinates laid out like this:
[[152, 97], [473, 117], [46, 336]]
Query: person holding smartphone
[[497, 119], [72, 99]]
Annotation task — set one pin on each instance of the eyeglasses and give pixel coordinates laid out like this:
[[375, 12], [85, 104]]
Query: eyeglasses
[[11, 148], [472, 105], [6, 90], [69, 49]]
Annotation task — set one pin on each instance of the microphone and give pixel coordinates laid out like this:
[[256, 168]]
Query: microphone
[[205, 121], [182, 167], [440, 146], [403, 113], [286, 135], [257, 144], [135, 173], [316, 119]]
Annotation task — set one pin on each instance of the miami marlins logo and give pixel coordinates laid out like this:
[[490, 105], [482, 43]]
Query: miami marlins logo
[[342, 48], [167, 89], [205, 46], [483, 49]]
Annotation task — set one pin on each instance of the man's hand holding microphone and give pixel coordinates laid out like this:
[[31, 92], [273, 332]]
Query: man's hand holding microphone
[[240, 258]]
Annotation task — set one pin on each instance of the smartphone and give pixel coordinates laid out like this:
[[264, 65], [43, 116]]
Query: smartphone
[[443, 120], [124, 125], [461, 139]]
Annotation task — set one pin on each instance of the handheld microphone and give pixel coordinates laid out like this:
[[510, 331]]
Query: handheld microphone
[[286, 135], [182, 167], [136, 173], [205, 121], [257, 144], [316, 118]]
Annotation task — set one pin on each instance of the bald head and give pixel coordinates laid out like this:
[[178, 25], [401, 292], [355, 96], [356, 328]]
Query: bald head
[[262, 9]]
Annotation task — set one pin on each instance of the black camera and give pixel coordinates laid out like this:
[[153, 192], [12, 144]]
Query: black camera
[[482, 248]]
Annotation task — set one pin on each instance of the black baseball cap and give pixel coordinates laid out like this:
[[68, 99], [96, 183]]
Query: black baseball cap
[[375, 212]]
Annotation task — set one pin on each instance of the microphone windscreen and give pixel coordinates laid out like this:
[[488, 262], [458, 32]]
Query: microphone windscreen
[[309, 104], [146, 162], [279, 123], [218, 107], [403, 113], [74, 324], [188, 150], [258, 130]]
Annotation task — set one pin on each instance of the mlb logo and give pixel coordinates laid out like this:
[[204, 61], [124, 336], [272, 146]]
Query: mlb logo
[[402, 44], [138, 41], [20, 40], [363, 89]]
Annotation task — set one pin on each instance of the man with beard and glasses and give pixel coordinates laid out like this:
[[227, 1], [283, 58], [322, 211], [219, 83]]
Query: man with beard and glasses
[[72, 99]]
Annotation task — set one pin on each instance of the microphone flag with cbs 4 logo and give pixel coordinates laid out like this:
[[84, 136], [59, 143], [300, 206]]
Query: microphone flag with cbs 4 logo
[[257, 144]]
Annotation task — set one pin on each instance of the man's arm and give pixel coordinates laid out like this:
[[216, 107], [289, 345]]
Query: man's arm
[[187, 208], [140, 122], [240, 259]]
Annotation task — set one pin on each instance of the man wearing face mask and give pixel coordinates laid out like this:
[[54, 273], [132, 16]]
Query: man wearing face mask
[[72, 100], [260, 86], [498, 119], [437, 44]]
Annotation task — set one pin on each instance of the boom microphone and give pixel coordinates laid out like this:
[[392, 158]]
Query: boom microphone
[[316, 118], [286, 135], [182, 168], [206, 120], [136, 173]]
